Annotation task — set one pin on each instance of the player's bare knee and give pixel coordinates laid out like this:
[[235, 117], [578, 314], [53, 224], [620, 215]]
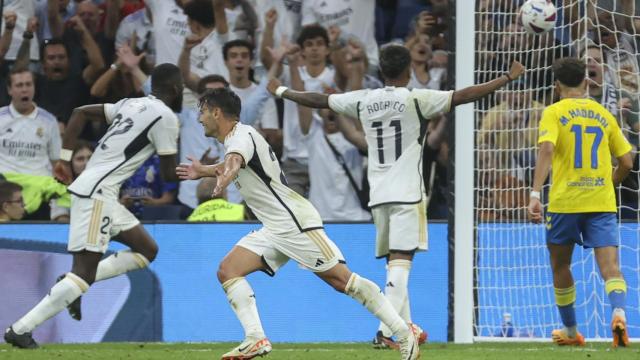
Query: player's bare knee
[[225, 272], [89, 276]]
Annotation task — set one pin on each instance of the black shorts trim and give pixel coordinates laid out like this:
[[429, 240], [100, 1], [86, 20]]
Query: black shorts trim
[[79, 195], [398, 203], [312, 228], [268, 270], [404, 252]]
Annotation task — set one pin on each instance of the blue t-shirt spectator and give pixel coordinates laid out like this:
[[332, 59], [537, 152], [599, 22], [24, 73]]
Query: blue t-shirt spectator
[[146, 187]]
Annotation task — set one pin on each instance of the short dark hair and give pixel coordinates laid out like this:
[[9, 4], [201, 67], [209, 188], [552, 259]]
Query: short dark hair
[[202, 83], [569, 71], [83, 144], [236, 43], [394, 59], [7, 189], [19, 70], [223, 98], [200, 11], [164, 77], [311, 32], [51, 42]]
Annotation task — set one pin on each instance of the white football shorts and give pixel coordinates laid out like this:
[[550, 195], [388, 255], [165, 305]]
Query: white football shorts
[[311, 249], [94, 222], [400, 227]]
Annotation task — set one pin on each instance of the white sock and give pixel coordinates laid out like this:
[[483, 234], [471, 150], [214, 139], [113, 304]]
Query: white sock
[[369, 295], [396, 290], [243, 302], [60, 295], [120, 263], [619, 312]]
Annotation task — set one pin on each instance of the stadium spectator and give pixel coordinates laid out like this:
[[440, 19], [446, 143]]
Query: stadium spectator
[[86, 45], [54, 13], [336, 167], [214, 208], [202, 48], [343, 59], [30, 135], [136, 30], [11, 202], [208, 150], [23, 58], [423, 76], [123, 79], [60, 209], [509, 129], [23, 10], [618, 45], [238, 55], [242, 20], [354, 17], [620, 103], [61, 88], [147, 188], [316, 75], [279, 19], [170, 27]]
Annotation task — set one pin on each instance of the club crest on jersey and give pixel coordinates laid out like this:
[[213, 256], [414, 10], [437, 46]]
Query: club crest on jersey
[[40, 132]]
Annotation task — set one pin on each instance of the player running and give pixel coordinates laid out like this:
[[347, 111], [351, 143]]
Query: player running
[[139, 128], [577, 138], [292, 229], [395, 124]]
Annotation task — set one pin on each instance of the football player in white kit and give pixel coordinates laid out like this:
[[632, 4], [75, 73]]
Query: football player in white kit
[[395, 122], [292, 229], [139, 128]]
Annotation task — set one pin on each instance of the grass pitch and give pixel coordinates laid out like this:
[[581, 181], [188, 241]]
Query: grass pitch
[[332, 351]]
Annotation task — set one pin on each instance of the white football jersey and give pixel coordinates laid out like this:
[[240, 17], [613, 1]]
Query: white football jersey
[[264, 187], [395, 122], [139, 128]]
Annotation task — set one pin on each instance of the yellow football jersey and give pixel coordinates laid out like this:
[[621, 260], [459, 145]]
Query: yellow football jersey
[[585, 136]]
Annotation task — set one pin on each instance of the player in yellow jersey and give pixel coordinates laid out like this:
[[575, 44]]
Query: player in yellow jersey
[[577, 138]]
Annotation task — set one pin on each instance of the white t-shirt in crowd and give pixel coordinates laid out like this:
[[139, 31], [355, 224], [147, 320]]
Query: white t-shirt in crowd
[[139, 127], [169, 29], [354, 17], [436, 76], [140, 24], [28, 143], [263, 185], [331, 191], [394, 121], [24, 9], [294, 146], [268, 115], [206, 59]]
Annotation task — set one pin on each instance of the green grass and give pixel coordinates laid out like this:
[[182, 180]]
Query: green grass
[[332, 351]]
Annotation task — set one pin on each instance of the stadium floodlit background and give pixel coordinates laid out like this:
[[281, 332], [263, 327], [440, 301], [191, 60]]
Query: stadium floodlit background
[[485, 263]]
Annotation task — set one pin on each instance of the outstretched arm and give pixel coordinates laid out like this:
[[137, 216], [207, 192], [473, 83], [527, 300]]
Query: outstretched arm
[[232, 164], [307, 98], [475, 92]]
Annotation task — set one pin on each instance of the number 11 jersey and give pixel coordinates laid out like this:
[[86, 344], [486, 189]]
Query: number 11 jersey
[[395, 124], [139, 127]]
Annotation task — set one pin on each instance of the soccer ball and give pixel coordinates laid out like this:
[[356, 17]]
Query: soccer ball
[[538, 16]]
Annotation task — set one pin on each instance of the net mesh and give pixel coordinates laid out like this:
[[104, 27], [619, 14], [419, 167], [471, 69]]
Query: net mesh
[[513, 282]]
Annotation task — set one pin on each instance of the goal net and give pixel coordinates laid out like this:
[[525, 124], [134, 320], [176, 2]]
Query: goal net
[[513, 286]]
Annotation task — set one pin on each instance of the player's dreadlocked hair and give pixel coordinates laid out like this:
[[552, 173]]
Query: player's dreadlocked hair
[[223, 98]]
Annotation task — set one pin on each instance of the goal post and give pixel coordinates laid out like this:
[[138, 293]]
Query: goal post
[[463, 188], [502, 282]]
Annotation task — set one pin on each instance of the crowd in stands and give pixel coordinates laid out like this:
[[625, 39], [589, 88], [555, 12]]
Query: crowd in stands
[[56, 55], [606, 36]]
